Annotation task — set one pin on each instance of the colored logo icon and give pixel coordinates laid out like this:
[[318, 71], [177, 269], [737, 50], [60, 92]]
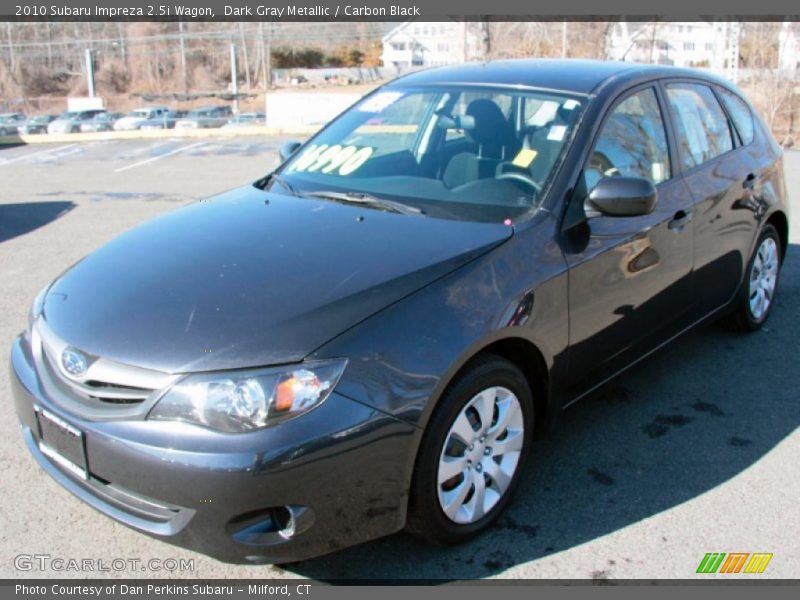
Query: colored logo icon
[[734, 562]]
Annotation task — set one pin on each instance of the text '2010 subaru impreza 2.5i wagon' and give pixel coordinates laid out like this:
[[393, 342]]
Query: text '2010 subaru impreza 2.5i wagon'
[[368, 338]]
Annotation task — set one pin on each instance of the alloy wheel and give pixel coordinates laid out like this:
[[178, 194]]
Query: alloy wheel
[[763, 278], [480, 455]]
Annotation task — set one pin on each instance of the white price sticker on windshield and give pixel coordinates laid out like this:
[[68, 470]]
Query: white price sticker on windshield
[[332, 160], [379, 102], [557, 133]]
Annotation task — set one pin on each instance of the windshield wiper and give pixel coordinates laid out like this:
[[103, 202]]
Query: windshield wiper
[[283, 183], [369, 200]]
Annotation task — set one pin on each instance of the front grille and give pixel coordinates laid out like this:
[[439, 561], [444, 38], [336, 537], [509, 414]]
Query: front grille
[[106, 387]]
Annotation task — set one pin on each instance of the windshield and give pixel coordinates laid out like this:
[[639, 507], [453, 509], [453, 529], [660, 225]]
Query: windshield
[[140, 113], [67, 115], [471, 153]]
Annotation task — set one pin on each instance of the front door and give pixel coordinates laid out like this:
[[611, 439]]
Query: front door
[[630, 282]]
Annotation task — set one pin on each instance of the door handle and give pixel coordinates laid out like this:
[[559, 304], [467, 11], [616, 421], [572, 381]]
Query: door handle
[[680, 220], [750, 181]]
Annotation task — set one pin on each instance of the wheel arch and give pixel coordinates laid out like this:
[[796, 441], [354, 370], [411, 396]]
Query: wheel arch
[[780, 222], [527, 357]]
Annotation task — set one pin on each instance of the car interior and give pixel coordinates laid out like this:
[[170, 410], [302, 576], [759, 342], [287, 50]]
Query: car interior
[[484, 154]]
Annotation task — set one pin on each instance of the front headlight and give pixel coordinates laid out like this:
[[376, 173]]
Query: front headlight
[[239, 401]]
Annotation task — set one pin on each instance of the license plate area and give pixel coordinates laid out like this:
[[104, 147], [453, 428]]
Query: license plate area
[[62, 443]]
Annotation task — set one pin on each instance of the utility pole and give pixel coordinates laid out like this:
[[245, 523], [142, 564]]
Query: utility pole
[[234, 78], [653, 42], [49, 45], [268, 65], [245, 56], [732, 31], [464, 41], [266, 52], [123, 53], [12, 63], [89, 72], [182, 42], [563, 39]]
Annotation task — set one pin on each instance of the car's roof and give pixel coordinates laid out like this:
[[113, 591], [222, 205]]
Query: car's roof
[[570, 75]]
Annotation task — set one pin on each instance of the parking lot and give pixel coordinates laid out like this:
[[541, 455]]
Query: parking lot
[[694, 451]]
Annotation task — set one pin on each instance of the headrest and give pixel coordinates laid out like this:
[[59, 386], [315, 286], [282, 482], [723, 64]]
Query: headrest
[[490, 126]]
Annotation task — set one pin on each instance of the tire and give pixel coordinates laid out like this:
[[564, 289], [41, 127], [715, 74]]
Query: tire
[[756, 297], [490, 382]]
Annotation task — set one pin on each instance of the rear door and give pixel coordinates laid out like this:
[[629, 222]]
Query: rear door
[[721, 174], [630, 280]]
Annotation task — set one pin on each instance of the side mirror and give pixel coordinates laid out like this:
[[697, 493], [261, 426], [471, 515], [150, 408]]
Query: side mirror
[[288, 149], [621, 197]]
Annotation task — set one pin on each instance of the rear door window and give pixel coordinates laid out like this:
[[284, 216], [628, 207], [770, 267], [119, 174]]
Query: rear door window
[[703, 129]]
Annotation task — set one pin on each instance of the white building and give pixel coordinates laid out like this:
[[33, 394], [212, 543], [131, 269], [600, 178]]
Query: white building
[[682, 44], [417, 44]]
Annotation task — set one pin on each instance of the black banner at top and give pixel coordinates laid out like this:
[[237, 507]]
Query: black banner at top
[[391, 10]]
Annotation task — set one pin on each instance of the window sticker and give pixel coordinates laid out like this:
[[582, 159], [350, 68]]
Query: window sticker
[[332, 160], [524, 158], [658, 172], [557, 133], [379, 102], [354, 162]]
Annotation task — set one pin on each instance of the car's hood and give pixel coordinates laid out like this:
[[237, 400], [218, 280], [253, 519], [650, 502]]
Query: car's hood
[[250, 278], [131, 120]]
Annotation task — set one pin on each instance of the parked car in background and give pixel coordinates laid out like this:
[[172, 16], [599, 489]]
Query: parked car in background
[[71, 121], [246, 119], [10, 123], [37, 124], [205, 118], [101, 122], [367, 338], [166, 121], [136, 118]]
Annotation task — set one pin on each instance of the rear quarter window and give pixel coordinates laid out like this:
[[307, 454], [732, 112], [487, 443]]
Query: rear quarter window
[[741, 115]]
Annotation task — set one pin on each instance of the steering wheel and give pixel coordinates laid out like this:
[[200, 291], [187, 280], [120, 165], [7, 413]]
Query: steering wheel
[[522, 178]]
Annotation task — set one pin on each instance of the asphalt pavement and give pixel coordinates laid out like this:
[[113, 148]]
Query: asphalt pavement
[[695, 450]]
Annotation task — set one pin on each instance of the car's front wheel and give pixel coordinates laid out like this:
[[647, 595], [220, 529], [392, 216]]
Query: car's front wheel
[[757, 296], [472, 454]]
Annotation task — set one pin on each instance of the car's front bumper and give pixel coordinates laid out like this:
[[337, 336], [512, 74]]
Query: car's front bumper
[[343, 470]]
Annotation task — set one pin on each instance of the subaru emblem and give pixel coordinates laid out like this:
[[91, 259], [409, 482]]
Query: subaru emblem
[[74, 362]]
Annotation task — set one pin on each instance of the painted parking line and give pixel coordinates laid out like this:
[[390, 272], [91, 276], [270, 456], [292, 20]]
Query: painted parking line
[[160, 156], [39, 153]]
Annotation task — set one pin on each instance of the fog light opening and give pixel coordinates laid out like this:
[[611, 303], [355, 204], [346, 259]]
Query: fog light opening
[[284, 520]]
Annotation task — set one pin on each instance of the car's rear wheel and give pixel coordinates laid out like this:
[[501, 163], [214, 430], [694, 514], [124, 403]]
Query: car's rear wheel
[[757, 296], [472, 453]]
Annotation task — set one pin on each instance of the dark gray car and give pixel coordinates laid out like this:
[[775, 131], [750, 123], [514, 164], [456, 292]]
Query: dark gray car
[[368, 338]]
